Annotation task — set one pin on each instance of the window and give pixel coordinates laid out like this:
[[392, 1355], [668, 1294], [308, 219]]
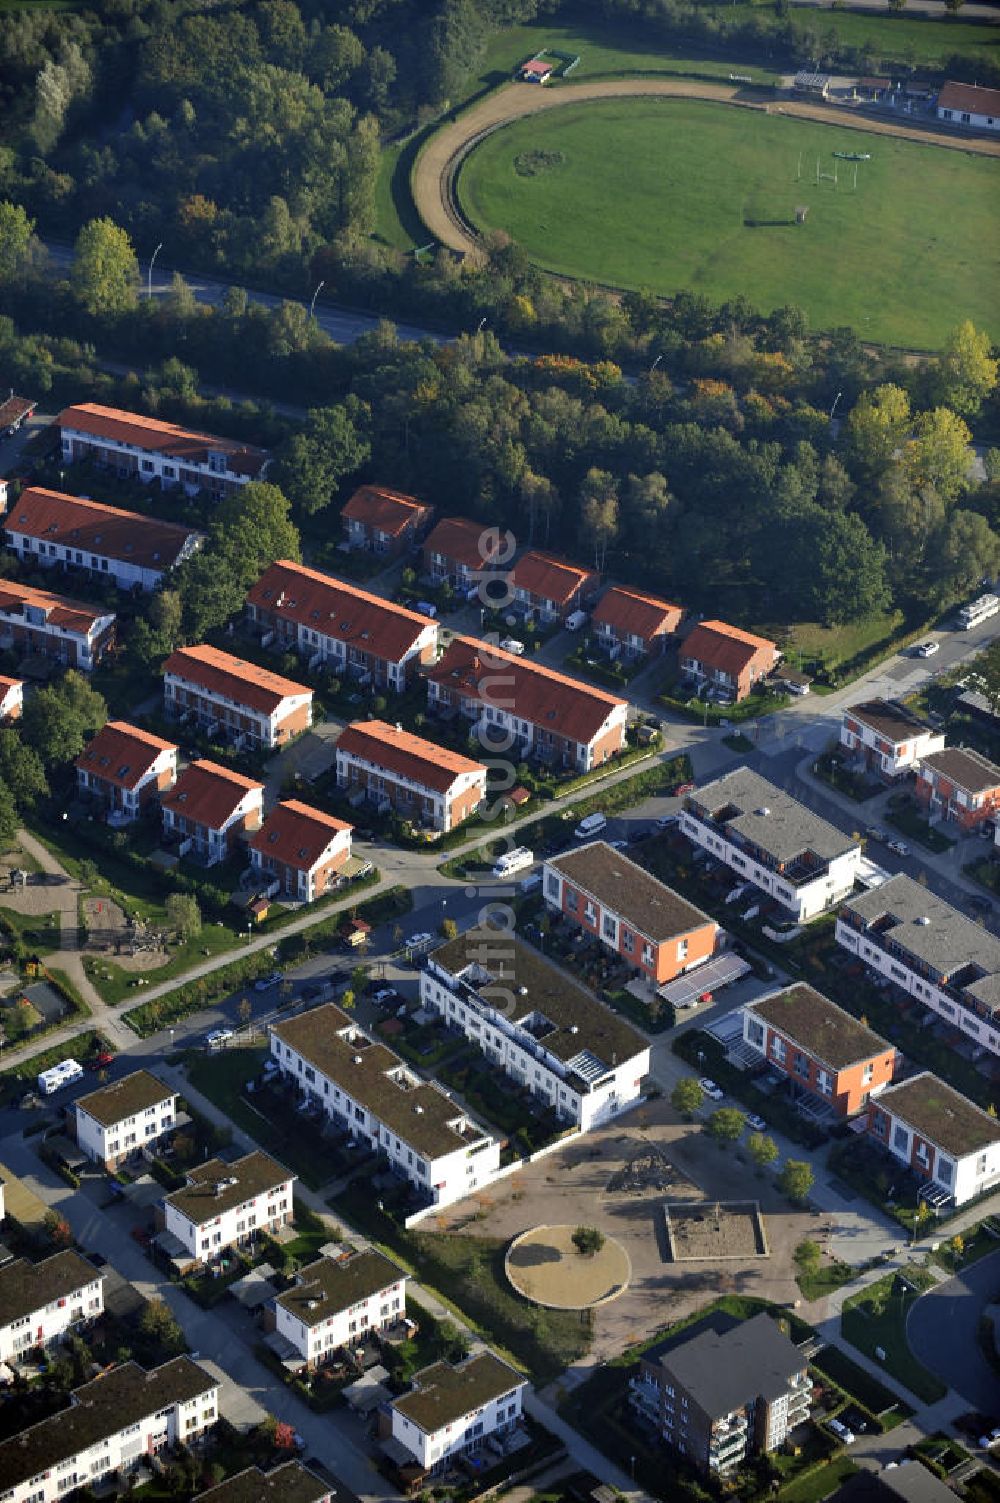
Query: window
[[755, 1032], [682, 949], [901, 1140], [868, 1074]]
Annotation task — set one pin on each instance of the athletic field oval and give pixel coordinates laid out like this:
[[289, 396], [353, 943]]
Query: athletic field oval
[[679, 193]]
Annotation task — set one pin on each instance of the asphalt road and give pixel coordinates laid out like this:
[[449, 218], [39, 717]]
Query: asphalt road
[[942, 1332]]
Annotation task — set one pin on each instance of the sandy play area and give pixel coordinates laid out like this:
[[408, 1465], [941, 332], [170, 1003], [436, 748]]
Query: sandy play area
[[544, 1266]]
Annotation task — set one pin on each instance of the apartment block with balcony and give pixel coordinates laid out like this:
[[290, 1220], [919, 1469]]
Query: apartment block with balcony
[[70, 632], [150, 449], [218, 691], [452, 1410], [303, 849], [950, 1144], [550, 587], [917, 942], [339, 1300], [768, 838], [721, 1396], [382, 521], [827, 1054], [125, 767], [725, 660], [227, 1205], [432, 786], [41, 1302], [462, 553], [211, 810], [886, 738], [124, 1116], [959, 787], [634, 625]]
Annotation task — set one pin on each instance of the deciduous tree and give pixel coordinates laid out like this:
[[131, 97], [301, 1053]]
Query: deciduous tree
[[105, 268]]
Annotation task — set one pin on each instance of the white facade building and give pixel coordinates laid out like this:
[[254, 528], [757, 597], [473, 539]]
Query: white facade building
[[40, 1302], [338, 1301], [428, 1139], [888, 738], [227, 1205], [129, 1114], [537, 1026], [150, 449], [946, 1140], [110, 1423], [453, 1410], [971, 105], [803, 862]]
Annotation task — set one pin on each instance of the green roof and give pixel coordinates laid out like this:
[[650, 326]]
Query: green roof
[[805, 1017], [291, 1483], [125, 1098], [443, 1394], [215, 1187], [333, 1284], [26, 1287]]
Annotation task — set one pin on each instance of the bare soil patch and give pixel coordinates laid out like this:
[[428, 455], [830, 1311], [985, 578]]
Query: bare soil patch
[[544, 1266], [713, 1230]]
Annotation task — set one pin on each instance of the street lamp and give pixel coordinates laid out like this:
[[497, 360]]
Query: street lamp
[[149, 274], [655, 364], [834, 407], [312, 305], [481, 324]]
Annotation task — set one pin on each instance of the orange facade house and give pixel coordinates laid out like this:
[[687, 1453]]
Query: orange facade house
[[551, 587], [826, 1053], [210, 809], [959, 785], [215, 688], [302, 849], [726, 658], [458, 552], [435, 787], [634, 624]]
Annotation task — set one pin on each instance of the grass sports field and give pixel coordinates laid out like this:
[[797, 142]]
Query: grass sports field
[[668, 194]]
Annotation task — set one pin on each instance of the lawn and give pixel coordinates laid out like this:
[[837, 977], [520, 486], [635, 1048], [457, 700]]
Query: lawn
[[909, 39], [115, 984], [877, 1318], [709, 202], [818, 1483], [911, 822], [808, 643], [825, 1280]]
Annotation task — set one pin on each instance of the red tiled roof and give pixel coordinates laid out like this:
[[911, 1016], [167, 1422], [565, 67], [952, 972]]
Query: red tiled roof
[[549, 577], [723, 646], [242, 682], [165, 438], [563, 706], [536, 65], [122, 754], [72, 615], [637, 615], [74, 522], [208, 794], [297, 835], [336, 609], [385, 511], [411, 756], [458, 539], [6, 684], [14, 409], [972, 99]]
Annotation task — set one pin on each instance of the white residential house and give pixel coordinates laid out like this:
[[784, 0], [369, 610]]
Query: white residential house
[[110, 1423], [971, 105], [340, 1300], [40, 1302], [153, 450], [453, 1410], [887, 738], [949, 1142], [125, 1116], [228, 1205]]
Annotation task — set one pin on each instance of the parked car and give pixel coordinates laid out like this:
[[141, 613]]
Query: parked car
[[265, 983], [417, 941], [100, 1060], [218, 1038], [875, 832], [899, 847], [513, 645], [385, 995], [712, 1091], [989, 1441], [841, 1431], [928, 649], [683, 788], [665, 821], [755, 1122]]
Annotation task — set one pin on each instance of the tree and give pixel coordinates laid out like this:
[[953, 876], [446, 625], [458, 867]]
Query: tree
[[807, 1256], [965, 550], [183, 915], [252, 527], [105, 268], [599, 512], [161, 1328], [967, 372], [588, 1241], [687, 1096], [21, 769], [875, 428], [726, 1125], [450, 1343], [58, 717], [16, 236], [939, 454], [957, 1245], [762, 1149], [347, 999], [246, 1014], [311, 464], [9, 822], [57, 1229], [796, 1179]]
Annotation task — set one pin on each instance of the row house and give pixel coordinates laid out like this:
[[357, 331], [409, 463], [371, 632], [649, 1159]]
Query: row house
[[382, 521], [534, 1024], [302, 849], [632, 625], [726, 659], [211, 811], [551, 588], [229, 1205], [109, 1424], [972, 105], [916, 941], [11, 698], [215, 689], [435, 787], [125, 767], [453, 1409], [125, 1116], [150, 449], [887, 739], [341, 627], [53, 530], [720, 1398], [367, 1090], [461, 553], [40, 1302], [768, 838], [291, 1482], [648, 925], [520, 707], [338, 1301], [75, 634], [14, 413], [959, 785], [950, 1144], [825, 1052]]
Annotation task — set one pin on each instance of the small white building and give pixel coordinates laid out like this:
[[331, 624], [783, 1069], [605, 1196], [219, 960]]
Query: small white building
[[110, 1424], [129, 1114], [453, 1410], [941, 1135], [339, 1301], [228, 1205], [40, 1302], [971, 105], [887, 738]]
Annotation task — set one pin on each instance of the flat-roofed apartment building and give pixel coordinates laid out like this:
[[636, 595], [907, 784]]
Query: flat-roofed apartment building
[[802, 861], [210, 810], [949, 1142], [534, 1024], [151, 449], [435, 787], [641, 920], [302, 849], [887, 738], [633, 624], [453, 1409], [126, 767], [289, 1483], [342, 627], [54, 626], [216, 689], [526, 709], [719, 1397], [40, 1302], [384, 521], [960, 786], [107, 1426], [228, 1205], [825, 1052], [52, 530], [924, 946], [126, 1115], [339, 1301], [428, 1138]]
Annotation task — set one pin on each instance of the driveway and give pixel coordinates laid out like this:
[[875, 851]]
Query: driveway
[[941, 1330]]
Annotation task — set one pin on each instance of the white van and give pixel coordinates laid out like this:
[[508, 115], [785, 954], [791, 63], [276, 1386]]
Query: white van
[[64, 1074], [512, 645], [514, 861], [591, 826], [575, 620]]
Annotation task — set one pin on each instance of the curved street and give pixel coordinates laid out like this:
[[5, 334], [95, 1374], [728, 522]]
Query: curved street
[[942, 1330]]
